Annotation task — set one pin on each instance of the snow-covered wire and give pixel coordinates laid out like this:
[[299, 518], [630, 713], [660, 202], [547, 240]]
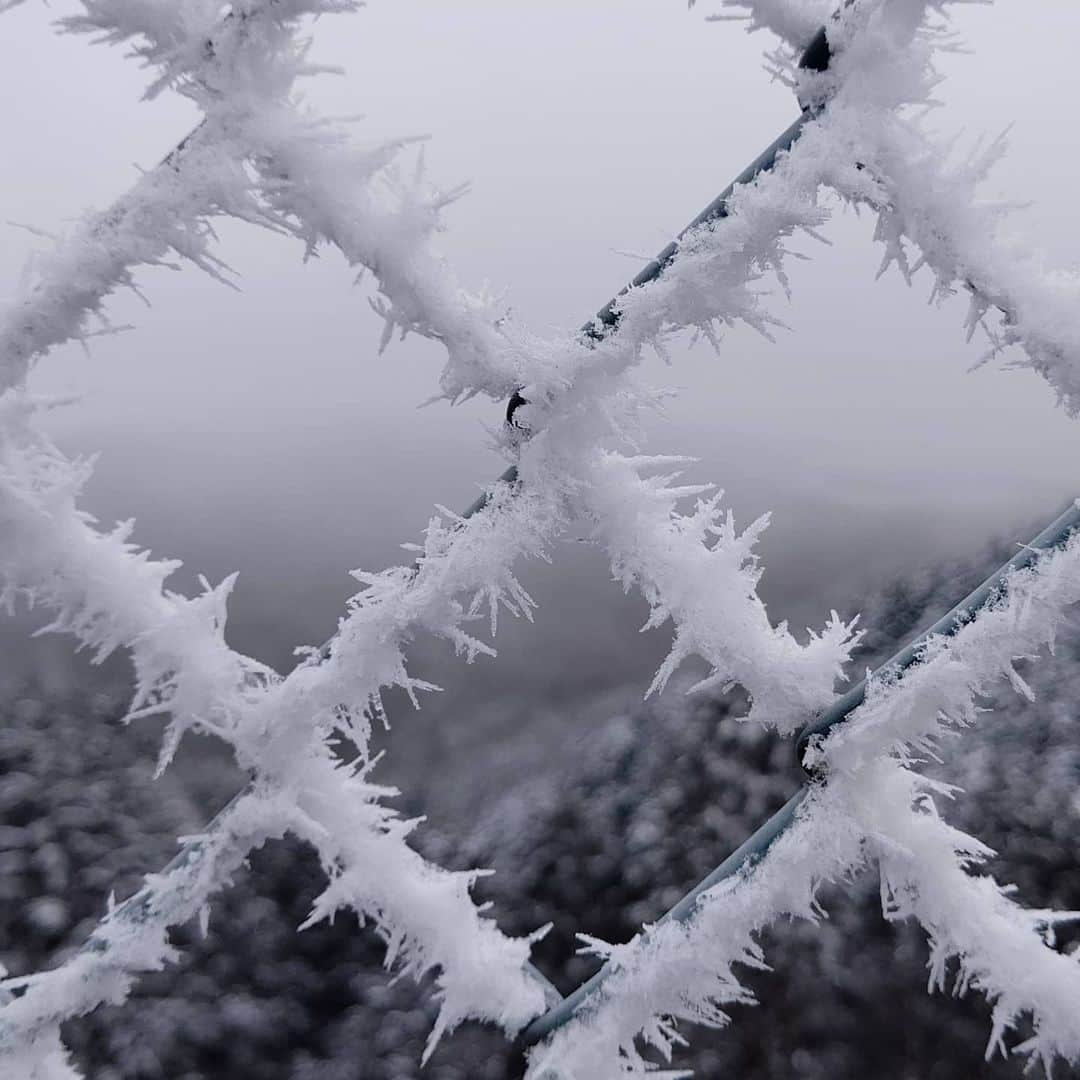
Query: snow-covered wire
[[108, 594], [873, 808], [685, 970], [293, 174], [304, 177]]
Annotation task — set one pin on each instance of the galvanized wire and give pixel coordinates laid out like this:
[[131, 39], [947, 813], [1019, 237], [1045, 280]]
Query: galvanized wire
[[1054, 535], [561, 1010], [816, 57]]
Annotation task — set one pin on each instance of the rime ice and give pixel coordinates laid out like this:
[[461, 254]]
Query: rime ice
[[260, 156]]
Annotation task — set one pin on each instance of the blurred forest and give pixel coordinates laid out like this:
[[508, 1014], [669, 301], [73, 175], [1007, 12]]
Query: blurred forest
[[649, 807]]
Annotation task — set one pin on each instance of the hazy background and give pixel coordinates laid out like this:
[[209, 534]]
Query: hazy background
[[260, 431]]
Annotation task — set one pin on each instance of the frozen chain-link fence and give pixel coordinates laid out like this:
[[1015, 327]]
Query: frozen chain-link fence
[[258, 155]]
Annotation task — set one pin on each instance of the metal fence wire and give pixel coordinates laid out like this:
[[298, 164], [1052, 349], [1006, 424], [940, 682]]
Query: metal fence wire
[[816, 57]]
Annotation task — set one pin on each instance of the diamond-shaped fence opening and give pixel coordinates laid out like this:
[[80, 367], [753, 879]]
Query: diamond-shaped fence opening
[[258, 157]]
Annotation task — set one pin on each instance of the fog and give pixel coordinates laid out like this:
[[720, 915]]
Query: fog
[[259, 429]]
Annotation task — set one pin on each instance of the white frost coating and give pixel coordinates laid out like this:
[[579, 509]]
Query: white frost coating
[[309, 176], [46, 1059], [873, 807], [106, 592], [301, 161], [931, 212], [423, 913], [794, 21], [241, 74], [165, 213], [110, 595], [995, 946], [312, 182], [922, 859], [697, 570], [134, 937], [306, 178], [902, 720], [231, 68], [685, 972]]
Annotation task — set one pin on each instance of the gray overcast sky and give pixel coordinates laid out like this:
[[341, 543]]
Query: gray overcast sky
[[261, 431]]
